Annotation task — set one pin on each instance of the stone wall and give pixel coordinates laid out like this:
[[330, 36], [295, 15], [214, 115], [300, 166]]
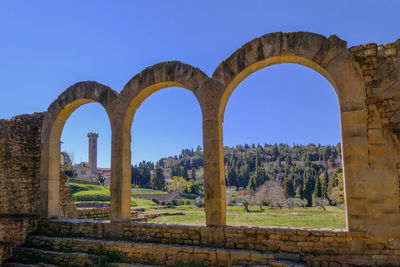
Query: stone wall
[[310, 246], [13, 231], [19, 179], [380, 66], [67, 207], [20, 165]]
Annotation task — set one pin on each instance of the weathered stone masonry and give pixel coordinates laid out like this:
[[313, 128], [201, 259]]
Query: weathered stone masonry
[[19, 178], [366, 79]]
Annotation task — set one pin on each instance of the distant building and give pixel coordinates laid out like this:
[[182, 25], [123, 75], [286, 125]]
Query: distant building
[[93, 152], [88, 171]]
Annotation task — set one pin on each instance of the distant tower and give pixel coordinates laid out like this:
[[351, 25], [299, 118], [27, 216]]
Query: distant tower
[[93, 152]]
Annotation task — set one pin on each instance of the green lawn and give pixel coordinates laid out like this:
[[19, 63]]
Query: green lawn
[[297, 218], [98, 193], [313, 217], [87, 192]]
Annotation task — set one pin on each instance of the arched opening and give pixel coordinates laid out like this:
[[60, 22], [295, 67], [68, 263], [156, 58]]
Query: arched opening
[[85, 161], [57, 114], [282, 149], [167, 162]]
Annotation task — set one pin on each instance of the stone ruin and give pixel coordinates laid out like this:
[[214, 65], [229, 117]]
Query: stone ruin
[[366, 79]]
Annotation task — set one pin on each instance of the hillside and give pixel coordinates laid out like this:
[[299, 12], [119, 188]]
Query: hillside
[[307, 171]]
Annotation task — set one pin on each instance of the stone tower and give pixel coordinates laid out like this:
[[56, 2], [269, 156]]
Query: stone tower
[[93, 152]]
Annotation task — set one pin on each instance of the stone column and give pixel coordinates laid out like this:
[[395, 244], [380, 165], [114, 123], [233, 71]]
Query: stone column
[[120, 174], [214, 169]]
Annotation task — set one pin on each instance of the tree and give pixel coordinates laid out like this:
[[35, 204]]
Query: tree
[[289, 187], [193, 186], [101, 179], [295, 202], [230, 196], [335, 188], [177, 184], [252, 186], [245, 199], [232, 177], [308, 190], [321, 202], [157, 180], [317, 189], [271, 193], [193, 174], [324, 184]]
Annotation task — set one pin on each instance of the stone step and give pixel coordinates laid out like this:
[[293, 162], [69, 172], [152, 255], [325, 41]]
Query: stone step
[[285, 263], [119, 264], [159, 254], [39, 256], [17, 264]]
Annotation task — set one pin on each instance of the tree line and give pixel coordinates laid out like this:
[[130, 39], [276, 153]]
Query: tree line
[[306, 171]]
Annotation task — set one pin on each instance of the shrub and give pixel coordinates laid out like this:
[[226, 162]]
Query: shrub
[[200, 202], [187, 202], [177, 202], [156, 200]]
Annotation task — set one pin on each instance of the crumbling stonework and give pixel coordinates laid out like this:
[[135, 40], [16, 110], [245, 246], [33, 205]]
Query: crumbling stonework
[[20, 165], [380, 65], [366, 80], [67, 207], [19, 179]]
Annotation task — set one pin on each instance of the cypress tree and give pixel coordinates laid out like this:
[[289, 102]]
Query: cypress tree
[[252, 186], [317, 188], [324, 184], [193, 174], [308, 190], [289, 188], [157, 180]]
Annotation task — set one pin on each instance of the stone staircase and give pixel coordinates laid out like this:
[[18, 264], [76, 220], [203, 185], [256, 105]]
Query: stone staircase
[[62, 250]]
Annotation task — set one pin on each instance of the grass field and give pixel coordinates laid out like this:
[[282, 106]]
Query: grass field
[[297, 218], [98, 193], [313, 217]]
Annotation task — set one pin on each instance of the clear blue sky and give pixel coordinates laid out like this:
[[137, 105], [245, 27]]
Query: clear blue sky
[[46, 46]]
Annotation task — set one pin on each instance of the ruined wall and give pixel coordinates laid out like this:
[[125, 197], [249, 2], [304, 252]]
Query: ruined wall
[[19, 178], [380, 65], [310, 246], [67, 207]]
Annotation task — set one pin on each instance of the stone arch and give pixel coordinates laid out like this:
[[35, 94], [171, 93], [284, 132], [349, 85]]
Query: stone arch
[[57, 114], [139, 88], [329, 57], [159, 76]]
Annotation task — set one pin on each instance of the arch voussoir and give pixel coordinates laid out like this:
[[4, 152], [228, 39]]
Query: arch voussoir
[[173, 72], [314, 47], [90, 90]]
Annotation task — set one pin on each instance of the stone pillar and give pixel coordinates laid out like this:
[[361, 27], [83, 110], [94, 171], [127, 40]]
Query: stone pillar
[[213, 153], [214, 173], [120, 174]]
